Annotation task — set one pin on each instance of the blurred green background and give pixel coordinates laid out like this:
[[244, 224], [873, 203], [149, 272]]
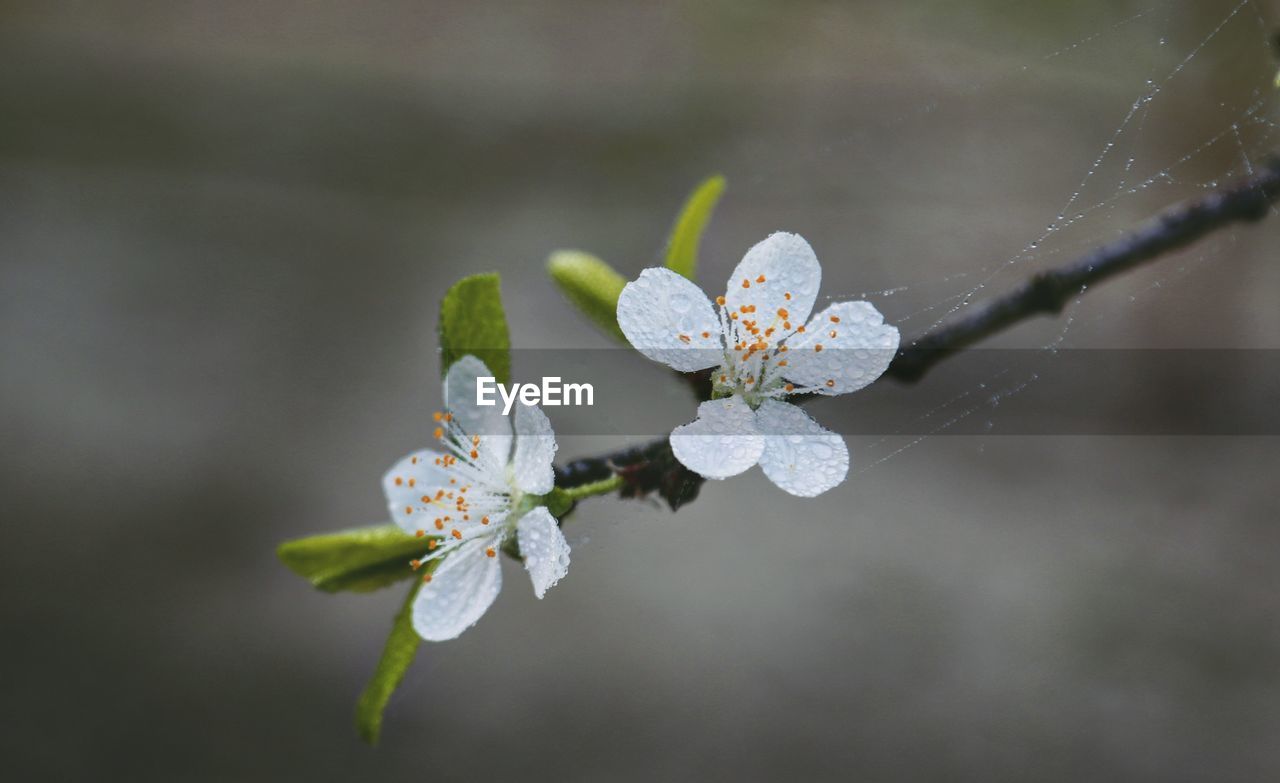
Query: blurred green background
[[224, 235]]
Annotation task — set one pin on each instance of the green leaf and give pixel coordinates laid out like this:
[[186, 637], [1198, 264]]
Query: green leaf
[[397, 654], [359, 560], [472, 321], [591, 284], [686, 235]]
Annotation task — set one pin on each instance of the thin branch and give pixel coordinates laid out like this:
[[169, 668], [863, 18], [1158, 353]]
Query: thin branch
[[1047, 292], [652, 468]]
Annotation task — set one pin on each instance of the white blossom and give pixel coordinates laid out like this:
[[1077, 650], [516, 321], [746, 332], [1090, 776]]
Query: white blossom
[[473, 496], [765, 347]]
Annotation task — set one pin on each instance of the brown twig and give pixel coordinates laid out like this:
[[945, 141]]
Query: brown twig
[[652, 467]]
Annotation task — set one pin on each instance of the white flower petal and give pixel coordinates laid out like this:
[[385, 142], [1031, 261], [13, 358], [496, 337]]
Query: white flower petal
[[535, 450], [460, 591], [723, 441], [800, 456], [791, 277], [669, 319], [859, 352], [407, 482], [487, 422], [542, 545]]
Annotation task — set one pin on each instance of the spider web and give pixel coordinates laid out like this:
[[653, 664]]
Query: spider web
[[1198, 110]]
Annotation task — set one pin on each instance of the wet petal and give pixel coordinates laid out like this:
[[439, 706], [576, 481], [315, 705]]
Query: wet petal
[[723, 441], [856, 348], [487, 422], [791, 277], [534, 451], [800, 456], [409, 480], [459, 593], [669, 319], [545, 552]]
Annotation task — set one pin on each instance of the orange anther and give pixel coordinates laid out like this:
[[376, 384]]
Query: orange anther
[[835, 319], [830, 383], [399, 481], [490, 552], [484, 520], [832, 333], [408, 509], [706, 335], [782, 363], [439, 524], [800, 330], [684, 338], [432, 544], [475, 454], [790, 387], [817, 348], [439, 433], [420, 533], [760, 279], [437, 416], [426, 577], [456, 533], [720, 300], [414, 564], [787, 296], [746, 283]]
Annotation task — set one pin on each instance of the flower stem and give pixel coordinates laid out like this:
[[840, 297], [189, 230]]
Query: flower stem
[[601, 487]]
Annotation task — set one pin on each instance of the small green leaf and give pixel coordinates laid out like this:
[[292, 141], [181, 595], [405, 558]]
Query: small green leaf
[[397, 654], [686, 235], [472, 321], [359, 560], [591, 284]]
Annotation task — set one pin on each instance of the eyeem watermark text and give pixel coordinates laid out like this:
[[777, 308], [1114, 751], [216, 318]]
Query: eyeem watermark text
[[550, 393]]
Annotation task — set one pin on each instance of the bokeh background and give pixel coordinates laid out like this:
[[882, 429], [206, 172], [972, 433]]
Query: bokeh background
[[224, 232]]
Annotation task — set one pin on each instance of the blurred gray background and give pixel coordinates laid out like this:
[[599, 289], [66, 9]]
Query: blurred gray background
[[225, 229]]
